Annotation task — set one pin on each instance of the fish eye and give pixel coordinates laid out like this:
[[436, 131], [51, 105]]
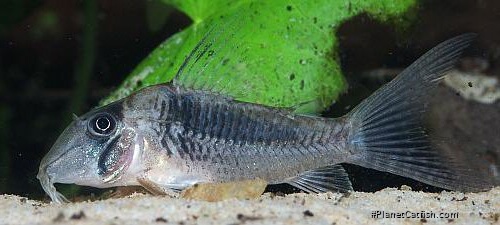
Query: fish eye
[[102, 124]]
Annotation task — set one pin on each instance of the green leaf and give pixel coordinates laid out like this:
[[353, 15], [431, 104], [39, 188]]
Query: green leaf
[[277, 53]]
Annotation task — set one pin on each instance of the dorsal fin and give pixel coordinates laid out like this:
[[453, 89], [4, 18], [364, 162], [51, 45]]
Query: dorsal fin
[[212, 65], [208, 53]]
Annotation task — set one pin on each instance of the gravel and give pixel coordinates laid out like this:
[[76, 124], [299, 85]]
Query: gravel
[[300, 208]]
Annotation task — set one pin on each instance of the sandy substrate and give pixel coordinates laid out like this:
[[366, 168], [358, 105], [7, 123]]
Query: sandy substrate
[[329, 208]]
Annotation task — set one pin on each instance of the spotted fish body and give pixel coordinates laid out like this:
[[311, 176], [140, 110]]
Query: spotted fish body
[[219, 139], [171, 136]]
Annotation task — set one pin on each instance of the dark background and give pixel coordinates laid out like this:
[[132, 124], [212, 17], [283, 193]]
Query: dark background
[[62, 57]]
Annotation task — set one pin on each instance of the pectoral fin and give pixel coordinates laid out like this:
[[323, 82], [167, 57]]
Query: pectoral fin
[[157, 189], [330, 178]]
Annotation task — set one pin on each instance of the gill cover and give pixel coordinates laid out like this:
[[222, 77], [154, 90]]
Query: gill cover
[[117, 156]]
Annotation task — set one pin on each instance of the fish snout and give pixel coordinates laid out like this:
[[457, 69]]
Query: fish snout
[[47, 184]]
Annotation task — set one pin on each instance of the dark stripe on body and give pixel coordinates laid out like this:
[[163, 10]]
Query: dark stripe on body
[[226, 122]]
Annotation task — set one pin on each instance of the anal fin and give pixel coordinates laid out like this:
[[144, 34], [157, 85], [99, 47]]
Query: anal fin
[[330, 178]]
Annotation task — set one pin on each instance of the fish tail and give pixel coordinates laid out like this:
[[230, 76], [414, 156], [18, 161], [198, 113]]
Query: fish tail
[[386, 130]]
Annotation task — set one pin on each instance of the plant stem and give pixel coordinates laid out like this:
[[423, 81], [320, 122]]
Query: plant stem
[[84, 68], [85, 64], [4, 151]]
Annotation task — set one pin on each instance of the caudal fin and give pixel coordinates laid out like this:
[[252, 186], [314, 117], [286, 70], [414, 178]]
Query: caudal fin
[[386, 128]]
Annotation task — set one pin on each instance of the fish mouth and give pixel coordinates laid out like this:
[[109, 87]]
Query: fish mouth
[[48, 186]]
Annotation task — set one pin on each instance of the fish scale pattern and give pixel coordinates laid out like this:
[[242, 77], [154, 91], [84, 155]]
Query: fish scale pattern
[[230, 138]]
